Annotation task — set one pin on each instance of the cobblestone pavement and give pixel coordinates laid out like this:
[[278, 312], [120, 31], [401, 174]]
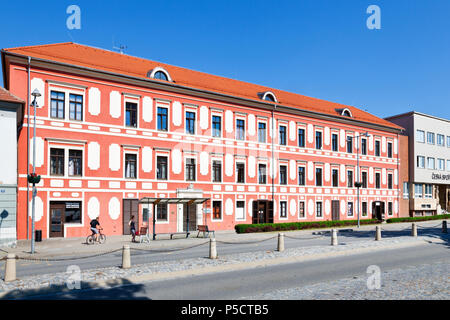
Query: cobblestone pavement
[[425, 282], [93, 275]]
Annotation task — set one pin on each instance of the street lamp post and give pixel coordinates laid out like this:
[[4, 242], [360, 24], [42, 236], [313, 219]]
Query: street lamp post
[[35, 94], [358, 183]]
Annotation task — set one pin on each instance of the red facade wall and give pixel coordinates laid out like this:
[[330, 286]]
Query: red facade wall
[[100, 183]]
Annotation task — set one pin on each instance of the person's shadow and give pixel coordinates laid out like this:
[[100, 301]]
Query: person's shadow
[[3, 216]]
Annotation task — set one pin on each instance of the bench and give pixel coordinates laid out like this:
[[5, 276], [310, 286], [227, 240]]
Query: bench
[[173, 233], [143, 235], [204, 229]]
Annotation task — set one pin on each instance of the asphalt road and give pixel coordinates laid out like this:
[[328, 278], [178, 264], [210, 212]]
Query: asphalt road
[[30, 268], [250, 282]]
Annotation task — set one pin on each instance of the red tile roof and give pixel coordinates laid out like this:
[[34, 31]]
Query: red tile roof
[[99, 59], [5, 95]]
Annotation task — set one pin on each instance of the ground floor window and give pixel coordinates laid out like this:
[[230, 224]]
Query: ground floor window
[[161, 212], [390, 208], [350, 209], [283, 211], [319, 209], [217, 210], [240, 210], [301, 209], [364, 209]]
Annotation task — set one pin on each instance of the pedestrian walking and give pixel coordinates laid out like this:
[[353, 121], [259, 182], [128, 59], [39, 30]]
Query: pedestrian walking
[[132, 225]]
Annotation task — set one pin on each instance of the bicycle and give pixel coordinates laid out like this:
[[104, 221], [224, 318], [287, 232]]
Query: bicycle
[[91, 238]]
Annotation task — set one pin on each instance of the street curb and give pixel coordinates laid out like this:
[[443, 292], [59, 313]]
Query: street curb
[[159, 276]]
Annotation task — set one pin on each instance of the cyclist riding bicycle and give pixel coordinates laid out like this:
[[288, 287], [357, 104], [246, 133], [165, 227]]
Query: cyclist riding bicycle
[[95, 227]]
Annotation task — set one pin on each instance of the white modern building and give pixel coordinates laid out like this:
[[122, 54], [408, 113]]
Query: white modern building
[[429, 162], [11, 109]]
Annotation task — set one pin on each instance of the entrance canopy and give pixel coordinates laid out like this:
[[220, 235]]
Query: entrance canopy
[[148, 200]]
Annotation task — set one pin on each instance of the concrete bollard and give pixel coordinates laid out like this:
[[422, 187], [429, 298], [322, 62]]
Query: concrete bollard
[[212, 249], [126, 258], [444, 227], [378, 233], [280, 247], [10, 267], [414, 230], [334, 240]]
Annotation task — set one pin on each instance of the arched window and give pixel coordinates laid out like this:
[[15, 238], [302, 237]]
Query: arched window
[[269, 96], [346, 113], [160, 74]]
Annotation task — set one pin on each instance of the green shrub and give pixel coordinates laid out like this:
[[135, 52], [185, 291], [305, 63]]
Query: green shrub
[[270, 227], [413, 219]]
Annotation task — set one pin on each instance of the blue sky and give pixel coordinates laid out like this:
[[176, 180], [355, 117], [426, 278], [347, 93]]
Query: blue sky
[[318, 48]]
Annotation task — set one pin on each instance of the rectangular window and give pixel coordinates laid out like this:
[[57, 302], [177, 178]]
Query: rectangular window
[[390, 212], [240, 172], [240, 129], [301, 138], [364, 179], [56, 162], [283, 174], [334, 142], [350, 209], [161, 212], [448, 141], [390, 182], [57, 104], [335, 177], [283, 211], [430, 137], [301, 209], [349, 179], [364, 209], [301, 176], [318, 209], [240, 210], [418, 191], [377, 180], [349, 144], [75, 107], [217, 126], [262, 174], [318, 140], [420, 162], [131, 114], [448, 165], [75, 166], [441, 164], [262, 132], [130, 166], [217, 210], [190, 169], [405, 190], [162, 119], [431, 163], [217, 171], [389, 149], [72, 212], [363, 146], [440, 139], [428, 191], [420, 136], [161, 168], [377, 148], [318, 177], [282, 135], [190, 122]]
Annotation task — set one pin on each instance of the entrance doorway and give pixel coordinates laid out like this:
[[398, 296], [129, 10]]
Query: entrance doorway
[[262, 211], [378, 210], [192, 213], [63, 212], [130, 208], [335, 210]]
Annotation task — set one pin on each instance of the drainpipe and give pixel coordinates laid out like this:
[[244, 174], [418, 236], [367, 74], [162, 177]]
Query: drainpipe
[[273, 159], [28, 144]]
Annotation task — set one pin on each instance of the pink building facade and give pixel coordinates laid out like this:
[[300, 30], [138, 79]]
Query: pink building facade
[[106, 138]]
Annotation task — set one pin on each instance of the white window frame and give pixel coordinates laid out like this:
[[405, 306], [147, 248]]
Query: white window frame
[[244, 210], [56, 145], [132, 99], [130, 151], [67, 89]]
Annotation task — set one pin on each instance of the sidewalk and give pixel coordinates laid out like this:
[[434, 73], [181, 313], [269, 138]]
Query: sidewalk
[[60, 247]]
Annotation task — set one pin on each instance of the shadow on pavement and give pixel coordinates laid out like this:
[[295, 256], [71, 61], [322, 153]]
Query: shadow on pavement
[[433, 232], [120, 289]]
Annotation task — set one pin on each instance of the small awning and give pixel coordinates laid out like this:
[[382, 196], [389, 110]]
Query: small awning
[[148, 200]]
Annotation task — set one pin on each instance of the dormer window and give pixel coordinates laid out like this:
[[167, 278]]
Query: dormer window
[[269, 96], [160, 74], [346, 113]]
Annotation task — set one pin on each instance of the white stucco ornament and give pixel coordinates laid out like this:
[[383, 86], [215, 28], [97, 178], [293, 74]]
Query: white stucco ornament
[[93, 208], [114, 208]]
